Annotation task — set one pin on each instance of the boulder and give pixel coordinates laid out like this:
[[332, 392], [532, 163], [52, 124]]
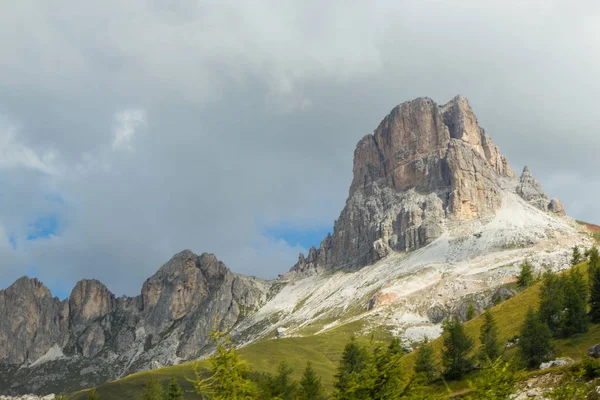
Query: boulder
[[559, 362], [594, 351]]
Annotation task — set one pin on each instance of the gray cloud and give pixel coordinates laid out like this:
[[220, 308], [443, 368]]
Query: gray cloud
[[251, 113]]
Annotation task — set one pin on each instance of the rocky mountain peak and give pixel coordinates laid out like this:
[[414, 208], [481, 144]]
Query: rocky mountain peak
[[530, 189], [90, 299]]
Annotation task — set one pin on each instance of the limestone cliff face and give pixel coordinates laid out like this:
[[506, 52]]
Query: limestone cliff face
[[97, 337], [31, 321], [424, 166]]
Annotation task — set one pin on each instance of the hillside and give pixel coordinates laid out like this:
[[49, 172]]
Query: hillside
[[324, 350]]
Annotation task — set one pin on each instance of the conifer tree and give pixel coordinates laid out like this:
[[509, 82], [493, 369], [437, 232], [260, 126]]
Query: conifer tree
[[93, 395], [534, 341], [595, 294], [174, 390], [282, 386], [424, 365], [496, 382], [229, 379], [153, 390], [388, 371], [574, 317], [488, 335], [311, 387], [552, 302], [594, 259], [356, 373], [525, 278], [576, 258], [456, 349], [470, 312]]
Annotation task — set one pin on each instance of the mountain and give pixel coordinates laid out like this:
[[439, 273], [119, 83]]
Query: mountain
[[435, 220]]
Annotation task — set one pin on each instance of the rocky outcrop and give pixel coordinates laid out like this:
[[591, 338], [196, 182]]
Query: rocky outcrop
[[530, 189], [95, 336], [31, 321]]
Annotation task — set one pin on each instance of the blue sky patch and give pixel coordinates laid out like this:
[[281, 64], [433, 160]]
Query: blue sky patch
[[43, 227], [293, 235]]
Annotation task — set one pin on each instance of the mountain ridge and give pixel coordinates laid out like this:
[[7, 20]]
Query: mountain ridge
[[435, 218]]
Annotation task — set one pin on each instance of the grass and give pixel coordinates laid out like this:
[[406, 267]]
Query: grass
[[324, 350]]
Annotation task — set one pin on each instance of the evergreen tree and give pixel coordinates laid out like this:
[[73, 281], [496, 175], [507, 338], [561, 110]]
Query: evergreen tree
[[577, 257], [595, 294], [574, 318], [356, 373], [424, 365], [552, 302], [153, 391], [470, 312], [311, 387], [388, 371], [534, 342], [456, 349], [93, 395], [282, 386], [488, 335], [594, 259], [229, 379], [525, 278], [496, 382], [174, 390]]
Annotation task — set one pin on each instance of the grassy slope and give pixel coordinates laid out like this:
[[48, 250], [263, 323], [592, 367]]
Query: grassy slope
[[325, 349]]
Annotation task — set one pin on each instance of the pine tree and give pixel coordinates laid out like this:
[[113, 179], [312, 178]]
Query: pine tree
[[311, 387], [456, 350], [282, 386], [594, 259], [496, 382], [388, 371], [174, 390], [595, 294], [470, 312], [229, 379], [93, 395], [574, 318], [356, 373], [525, 278], [488, 335], [153, 391], [534, 342], [552, 301], [424, 365], [577, 257]]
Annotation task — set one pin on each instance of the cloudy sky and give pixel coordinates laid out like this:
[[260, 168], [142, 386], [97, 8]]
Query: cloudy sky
[[130, 130]]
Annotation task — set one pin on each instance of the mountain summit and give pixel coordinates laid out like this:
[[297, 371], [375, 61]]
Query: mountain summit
[[435, 221], [424, 165]]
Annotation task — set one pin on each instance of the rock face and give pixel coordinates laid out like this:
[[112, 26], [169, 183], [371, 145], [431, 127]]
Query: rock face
[[424, 166], [95, 336]]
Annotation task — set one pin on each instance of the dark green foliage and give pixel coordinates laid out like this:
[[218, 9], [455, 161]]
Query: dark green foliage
[[471, 313], [574, 389], [93, 395], [282, 386], [595, 294], [425, 365], [388, 372], [552, 302], [153, 390], [591, 367], [310, 385], [229, 379], [496, 382], [354, 376], [577, 257], [525, 278], [174, 390], [594, 259], [534, 343], [488, 335], [456, 350], [574, 317]]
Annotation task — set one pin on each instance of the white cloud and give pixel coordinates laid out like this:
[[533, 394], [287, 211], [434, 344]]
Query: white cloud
[[127, 123], [14, 154]]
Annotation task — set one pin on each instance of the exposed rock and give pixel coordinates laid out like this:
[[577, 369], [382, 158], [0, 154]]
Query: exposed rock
[[437, 314], [556, 207], [280, 332], [89, 301], [501, 294], [531, 190], [559, 362], [594, 351]]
